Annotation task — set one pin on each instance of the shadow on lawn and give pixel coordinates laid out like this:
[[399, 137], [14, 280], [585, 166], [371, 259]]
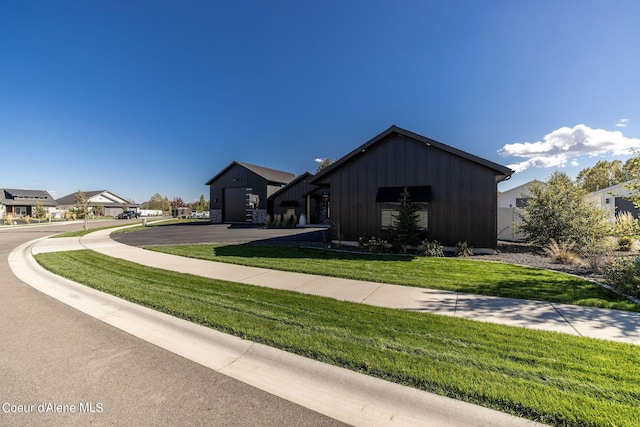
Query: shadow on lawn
[[274, 248]]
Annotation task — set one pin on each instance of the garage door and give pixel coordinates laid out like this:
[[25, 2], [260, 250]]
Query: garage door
[[235, 205]]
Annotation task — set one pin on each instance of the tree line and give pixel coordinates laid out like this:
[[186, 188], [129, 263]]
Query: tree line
[[607, 173], [160, 202]]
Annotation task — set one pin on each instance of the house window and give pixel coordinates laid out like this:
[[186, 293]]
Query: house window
[[521, 202], [389, 215], [21, 210], [607, 201]]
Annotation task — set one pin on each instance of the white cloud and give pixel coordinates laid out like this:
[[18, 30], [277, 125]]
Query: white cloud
[[566, 145], [622, 123], [318, 159]]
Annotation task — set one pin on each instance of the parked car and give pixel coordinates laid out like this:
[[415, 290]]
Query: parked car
[[199, 214], [129, 215]]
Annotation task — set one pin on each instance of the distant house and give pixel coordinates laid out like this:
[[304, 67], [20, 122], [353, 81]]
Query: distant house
[[21, 203], [455, 191], [110, 203], [239, 192], [515, 197], [613, 199], [509, 204]]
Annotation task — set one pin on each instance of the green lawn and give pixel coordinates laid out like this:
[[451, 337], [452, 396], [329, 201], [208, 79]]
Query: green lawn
[[453, 274], [554, 378]]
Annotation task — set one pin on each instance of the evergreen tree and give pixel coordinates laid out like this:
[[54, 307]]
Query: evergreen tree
[[406, 231]]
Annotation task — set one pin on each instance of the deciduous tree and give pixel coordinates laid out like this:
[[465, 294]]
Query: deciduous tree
[[633, 172], [39, 211], [201, 205], [159, 202], [324, 163], [602, 175], [177, 202], [82, 206], [559, 211]]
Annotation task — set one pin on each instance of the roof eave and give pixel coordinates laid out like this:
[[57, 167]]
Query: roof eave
[[503, 171], [292, 183]]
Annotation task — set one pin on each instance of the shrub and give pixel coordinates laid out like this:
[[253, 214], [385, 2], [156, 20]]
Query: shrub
[[623, 275], [595, 249], [289, 219], [562, 253], [625, 225], [463, 249], [433, 248], [625, 243], [335, 226], [372, 244]]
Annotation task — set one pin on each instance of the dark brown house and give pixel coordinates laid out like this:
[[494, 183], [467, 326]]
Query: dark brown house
[[240, 191], [455, 191], [300, 197]]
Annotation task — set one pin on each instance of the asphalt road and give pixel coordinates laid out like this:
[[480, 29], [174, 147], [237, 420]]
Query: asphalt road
[[70, 369]]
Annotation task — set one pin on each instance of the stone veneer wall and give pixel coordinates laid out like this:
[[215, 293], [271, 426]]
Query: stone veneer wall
[[259, 216], [215, 216]]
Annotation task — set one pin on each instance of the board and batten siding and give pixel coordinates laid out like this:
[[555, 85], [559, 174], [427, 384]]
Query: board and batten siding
[[296, 191], [237, 176], [463, 203]]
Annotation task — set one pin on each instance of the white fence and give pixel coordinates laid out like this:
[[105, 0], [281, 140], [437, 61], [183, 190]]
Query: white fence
[[507, 218]]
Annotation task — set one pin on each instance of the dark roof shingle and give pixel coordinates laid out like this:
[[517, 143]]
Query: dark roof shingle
[[271, 175]]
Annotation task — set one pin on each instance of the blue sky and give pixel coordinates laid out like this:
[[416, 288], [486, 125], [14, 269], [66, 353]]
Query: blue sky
[[145, 97]]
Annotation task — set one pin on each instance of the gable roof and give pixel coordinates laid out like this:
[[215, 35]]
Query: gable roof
[[619, 189], [14, 197], [291, 184], [503, 171], [110, 199], [271, 175], [522, 188]]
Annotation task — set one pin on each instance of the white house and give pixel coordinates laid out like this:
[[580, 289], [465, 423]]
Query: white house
[[112, 204], [613, 199], [515, 197], [509, 203]]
